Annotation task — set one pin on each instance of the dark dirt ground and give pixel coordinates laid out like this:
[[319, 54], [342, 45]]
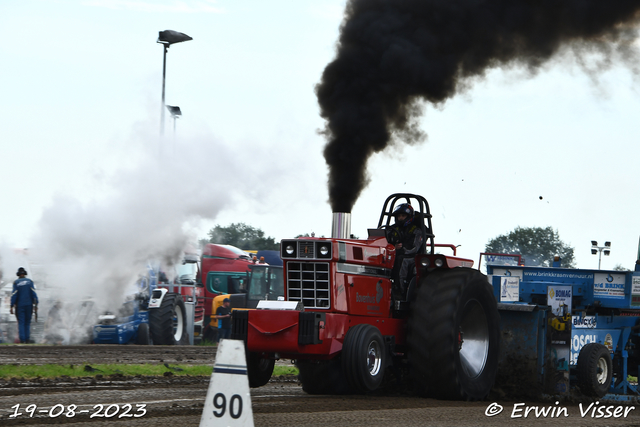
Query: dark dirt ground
[[129, 354], [175, 400]]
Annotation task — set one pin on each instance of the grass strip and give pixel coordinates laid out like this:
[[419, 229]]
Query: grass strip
[[74, 371]]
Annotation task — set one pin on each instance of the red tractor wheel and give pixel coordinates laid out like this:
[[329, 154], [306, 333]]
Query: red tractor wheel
[[259, 369], [322, 376], [364, 358]]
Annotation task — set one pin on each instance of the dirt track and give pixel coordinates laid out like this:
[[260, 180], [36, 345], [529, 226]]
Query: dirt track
[[129, 354], [180, 400]]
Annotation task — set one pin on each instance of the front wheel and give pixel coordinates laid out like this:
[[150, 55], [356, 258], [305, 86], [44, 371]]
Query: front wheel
[[454, 335], [259, 369], [364, 358], [322, 376], [143, 337]]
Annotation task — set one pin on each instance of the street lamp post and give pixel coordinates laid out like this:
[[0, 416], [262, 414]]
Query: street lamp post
[[175, 114], [167, 38], [595, 249]]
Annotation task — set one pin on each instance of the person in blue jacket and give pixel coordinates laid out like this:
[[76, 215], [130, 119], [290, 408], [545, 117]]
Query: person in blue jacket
[[25, 300]]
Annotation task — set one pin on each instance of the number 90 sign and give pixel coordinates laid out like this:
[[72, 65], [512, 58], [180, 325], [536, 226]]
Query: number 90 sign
[[220, 403]]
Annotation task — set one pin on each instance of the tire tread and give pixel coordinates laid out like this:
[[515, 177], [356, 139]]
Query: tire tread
[[432, 338]]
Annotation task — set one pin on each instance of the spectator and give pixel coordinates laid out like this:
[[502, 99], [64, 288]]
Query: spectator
[[223, 314], [25, 301]]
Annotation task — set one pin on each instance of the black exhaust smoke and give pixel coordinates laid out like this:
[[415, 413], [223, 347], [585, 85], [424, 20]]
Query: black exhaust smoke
[[394, 54]]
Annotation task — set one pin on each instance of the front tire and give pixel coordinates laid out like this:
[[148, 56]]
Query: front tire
[[454, 335], [168, 323], [143, 337], [259, 369], [364, 358], [594, 370], [322, 376]]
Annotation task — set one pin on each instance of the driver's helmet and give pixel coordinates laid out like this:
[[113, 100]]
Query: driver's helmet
[[404, 208]]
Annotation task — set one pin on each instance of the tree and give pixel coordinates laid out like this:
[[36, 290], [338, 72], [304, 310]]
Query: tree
[[537, 246], [307, 235], [242, 236], [620, 267]]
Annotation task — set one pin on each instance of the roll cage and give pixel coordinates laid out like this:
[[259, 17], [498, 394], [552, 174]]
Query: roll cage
[[422, 217]]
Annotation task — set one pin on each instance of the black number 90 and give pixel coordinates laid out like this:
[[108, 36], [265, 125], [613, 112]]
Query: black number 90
[[235, 405]]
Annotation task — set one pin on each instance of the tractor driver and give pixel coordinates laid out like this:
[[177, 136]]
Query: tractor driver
[[407, 238]]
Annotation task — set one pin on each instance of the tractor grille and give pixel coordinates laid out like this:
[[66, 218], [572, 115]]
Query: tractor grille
[[199, 312], [309, 282], [239, 325], [307, 249]]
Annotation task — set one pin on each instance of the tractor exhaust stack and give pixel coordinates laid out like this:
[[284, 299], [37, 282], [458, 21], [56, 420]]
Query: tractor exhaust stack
[[341, 226]]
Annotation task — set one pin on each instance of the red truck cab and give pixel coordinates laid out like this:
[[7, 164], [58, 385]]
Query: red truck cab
[[224, 271]]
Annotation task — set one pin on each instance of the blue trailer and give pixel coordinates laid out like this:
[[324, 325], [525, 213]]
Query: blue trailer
[[568, 330]]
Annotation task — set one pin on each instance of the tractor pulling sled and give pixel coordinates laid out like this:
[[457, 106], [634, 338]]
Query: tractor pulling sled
[[450, 333], [569, 330]]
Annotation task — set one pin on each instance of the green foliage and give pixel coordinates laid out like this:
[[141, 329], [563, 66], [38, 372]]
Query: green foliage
[[537, 246], [285, 370], [307, 235], [619, 267], [242, 236]]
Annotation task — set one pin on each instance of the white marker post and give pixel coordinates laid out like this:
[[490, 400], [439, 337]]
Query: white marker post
[[228, 398]]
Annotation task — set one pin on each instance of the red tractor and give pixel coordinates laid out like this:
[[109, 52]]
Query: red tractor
[[347, 321]]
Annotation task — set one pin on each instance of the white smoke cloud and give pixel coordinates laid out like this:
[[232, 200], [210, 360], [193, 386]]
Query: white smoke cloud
[[97, 247]]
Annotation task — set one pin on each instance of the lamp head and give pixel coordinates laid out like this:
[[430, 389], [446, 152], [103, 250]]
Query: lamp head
[[169, 37], [174, 110]]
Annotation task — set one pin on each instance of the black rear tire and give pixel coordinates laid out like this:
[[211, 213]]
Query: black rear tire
[[454, 335], [259, 369], [364, 358], [322, 376], [168, 323], [594, 370]]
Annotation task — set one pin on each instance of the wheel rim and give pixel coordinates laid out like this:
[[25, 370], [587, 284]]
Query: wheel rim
[[603, 371], [374, 358], [177, 323], [473, 339]]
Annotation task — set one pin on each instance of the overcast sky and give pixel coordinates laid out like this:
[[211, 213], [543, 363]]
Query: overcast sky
[[82, 161]]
